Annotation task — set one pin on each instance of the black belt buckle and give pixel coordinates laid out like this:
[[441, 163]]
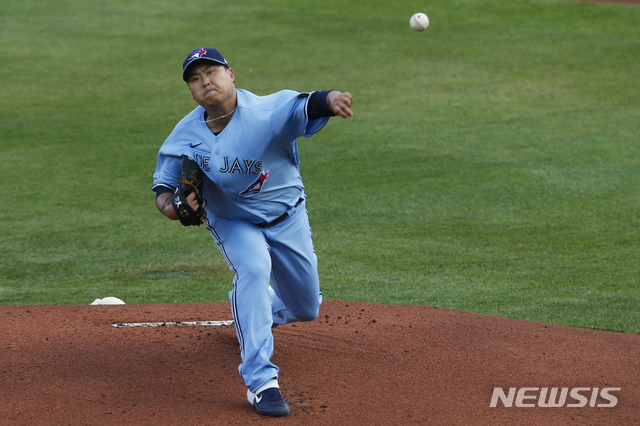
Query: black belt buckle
[[279, 218]]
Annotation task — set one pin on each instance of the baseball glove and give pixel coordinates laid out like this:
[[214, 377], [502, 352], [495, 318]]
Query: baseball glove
[[190, 182]]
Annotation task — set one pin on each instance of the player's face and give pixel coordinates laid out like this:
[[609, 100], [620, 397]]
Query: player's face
[[211, 84]]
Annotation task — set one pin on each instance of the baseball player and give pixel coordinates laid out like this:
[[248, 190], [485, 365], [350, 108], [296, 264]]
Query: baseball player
[[246, 147]]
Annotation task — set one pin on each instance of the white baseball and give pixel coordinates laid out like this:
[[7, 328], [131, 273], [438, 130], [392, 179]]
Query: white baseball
[[419, 22]]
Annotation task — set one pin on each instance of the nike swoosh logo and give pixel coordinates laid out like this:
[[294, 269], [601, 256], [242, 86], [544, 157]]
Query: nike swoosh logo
[[193, 146], [258, 399]]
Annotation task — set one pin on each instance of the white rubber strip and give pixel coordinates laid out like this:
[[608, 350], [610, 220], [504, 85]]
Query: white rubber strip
[[165, 324]]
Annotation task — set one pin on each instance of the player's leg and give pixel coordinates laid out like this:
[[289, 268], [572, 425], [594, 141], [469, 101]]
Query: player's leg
[[294, 275], [245, 250]]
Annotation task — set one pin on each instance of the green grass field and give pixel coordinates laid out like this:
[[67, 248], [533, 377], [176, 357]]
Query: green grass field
[[492, 166]]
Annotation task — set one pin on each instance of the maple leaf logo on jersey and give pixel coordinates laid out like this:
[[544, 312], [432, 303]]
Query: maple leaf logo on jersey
[[257, 185]]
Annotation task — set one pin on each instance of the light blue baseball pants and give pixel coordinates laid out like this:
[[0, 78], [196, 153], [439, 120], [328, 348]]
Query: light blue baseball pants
[[282, 255]]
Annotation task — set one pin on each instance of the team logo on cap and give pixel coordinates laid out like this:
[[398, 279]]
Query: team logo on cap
[[198, 54]]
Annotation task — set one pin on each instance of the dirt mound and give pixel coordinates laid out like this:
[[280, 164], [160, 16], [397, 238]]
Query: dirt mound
[[356, 364]]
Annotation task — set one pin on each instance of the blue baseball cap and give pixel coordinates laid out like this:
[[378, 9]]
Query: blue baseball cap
[[207, 53]]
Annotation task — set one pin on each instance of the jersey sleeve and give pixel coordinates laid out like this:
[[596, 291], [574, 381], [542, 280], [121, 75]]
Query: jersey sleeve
[[167, 172], [169, 164], [290, 118]]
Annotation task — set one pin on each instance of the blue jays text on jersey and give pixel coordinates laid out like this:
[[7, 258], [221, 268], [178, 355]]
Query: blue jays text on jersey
[[250, 166]]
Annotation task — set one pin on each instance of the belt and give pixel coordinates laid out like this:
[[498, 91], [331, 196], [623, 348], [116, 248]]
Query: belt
[[279, 218]]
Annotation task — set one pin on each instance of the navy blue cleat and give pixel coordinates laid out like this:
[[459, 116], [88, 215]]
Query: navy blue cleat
[[269, 402]]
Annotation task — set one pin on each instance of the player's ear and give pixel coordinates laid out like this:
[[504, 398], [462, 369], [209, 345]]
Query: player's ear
[[232, 75]]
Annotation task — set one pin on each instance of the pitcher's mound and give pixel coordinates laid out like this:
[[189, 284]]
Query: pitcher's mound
[[357, 364]]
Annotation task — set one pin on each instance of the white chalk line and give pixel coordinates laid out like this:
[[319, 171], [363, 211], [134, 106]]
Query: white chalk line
[[165, 324]]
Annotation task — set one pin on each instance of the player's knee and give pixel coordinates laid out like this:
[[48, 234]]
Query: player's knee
[[310, 312], [257, 273], [308, 316]]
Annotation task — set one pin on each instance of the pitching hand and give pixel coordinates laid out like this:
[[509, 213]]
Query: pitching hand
[[340, 103]]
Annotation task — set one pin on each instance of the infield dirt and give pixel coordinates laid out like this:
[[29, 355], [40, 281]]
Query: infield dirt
[[357, 364]]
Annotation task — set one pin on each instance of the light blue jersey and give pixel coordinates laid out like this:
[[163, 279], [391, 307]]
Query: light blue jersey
[[251, 167]]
